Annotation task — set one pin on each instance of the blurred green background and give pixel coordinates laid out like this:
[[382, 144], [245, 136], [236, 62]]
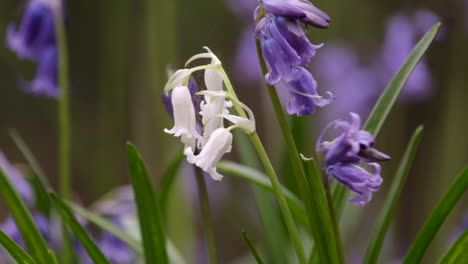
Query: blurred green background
[[118, 53]]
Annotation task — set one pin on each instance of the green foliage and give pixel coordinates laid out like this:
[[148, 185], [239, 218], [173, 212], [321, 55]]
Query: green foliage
[[252, 248], [29, 231], [15, 250], [67, 216], [458, 252], [433, 223], [387, 100], [154, 242], [388, 210]]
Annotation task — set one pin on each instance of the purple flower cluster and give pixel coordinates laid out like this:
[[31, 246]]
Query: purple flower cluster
[[35, 39], [286, 50], [350, 147]]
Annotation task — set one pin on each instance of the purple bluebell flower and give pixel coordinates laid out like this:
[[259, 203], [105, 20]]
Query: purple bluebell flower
[[10, 228], [19, 182], [304, 96], [284, 46], [36, 40], [401, 37], [357, 179], [246, 66], [303, 10], [352, 145]]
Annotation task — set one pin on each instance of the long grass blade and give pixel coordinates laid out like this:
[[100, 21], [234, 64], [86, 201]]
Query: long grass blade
[[458, 252], [252, 248], [433, 223], [386, 101], [33, 239], [16, 252], [67, 216], [388, 210], [168, 179], [154, 242], [261, 180]]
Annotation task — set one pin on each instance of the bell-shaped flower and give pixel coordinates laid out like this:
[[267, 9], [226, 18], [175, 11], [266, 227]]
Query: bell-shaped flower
[[213, 106], [37, 30], [357, 179], [219, 143], [303, 10], [178, 78], [46, 81], [184, 117], [304, 95], [352, 145]]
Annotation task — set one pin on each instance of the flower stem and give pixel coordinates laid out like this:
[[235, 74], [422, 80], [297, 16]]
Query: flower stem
[[270, 171], [207, 217], [64, 127], [329, 253]]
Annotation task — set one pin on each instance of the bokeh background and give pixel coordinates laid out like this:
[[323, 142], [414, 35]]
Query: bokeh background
[[119, 51]]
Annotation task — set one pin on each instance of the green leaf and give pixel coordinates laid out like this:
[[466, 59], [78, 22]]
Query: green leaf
[[386, 101], [30, 233], [108, 226], [154, 242], [39, 181], [323, 229], [385, 217], [168, 180], [252, 248], [174, 255], [433, 223], [67, 216], [458, 252], [262, 181], [15, 250]]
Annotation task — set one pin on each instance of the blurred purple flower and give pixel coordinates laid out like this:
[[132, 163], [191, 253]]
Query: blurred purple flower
[[460, 229], [242, 8], [354, 86], [246, 66], [357, 179], [35, 39], [401, 37], [352, 145], [303, 10], [17, 179]]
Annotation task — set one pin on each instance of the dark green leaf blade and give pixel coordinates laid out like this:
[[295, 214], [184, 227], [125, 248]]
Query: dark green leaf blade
[[252, 248], [15, 250], [154, 242], [433, 223], [388, 210], [458, 252], [261, 180], [33, 239], [67, 216], [386, 101]]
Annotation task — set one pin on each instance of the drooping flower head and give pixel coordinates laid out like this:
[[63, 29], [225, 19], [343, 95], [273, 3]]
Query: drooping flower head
[[352, 145], [302, 10], [206, 146], [286, 49], [35, 39], [357, 179]]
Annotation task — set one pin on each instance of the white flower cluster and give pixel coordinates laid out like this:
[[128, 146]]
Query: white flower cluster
[[205, 148]]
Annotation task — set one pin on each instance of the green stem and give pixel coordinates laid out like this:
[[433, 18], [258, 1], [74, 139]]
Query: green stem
[[328, 252], [288, 218], [64, 127], [207, 217], [270, 171]]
